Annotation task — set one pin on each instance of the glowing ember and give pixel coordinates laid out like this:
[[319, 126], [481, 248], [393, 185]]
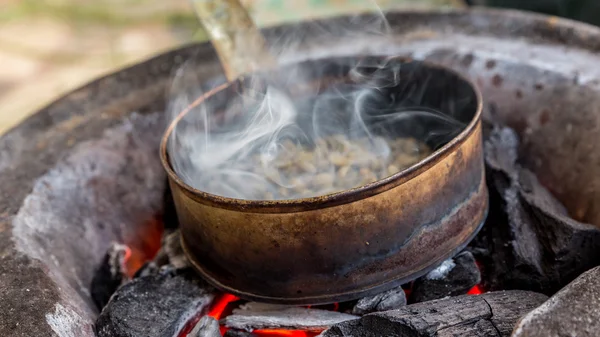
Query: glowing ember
[[143, 247], [285, 333], [221, 306], [476, 290]]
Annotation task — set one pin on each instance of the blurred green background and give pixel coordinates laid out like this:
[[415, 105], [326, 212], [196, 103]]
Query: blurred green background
[[48, 47]]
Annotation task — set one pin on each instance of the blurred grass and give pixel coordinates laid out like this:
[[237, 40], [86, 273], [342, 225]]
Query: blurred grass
[[112, 13], [48, 47]]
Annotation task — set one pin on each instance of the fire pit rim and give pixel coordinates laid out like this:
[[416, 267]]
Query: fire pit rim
[[332, 199]]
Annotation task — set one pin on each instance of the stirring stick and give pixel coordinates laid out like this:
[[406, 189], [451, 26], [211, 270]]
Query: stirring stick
[[239, 43]]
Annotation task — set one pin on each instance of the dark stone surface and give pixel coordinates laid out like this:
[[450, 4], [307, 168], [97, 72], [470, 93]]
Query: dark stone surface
[[206, 327], [110, 275], [529, 241], [463, 275], [155, 305], [490, 314], [573, 311], [387, 300]]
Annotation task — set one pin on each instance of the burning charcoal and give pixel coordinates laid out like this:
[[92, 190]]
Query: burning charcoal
[[254, 316], [171, 252], [172, 246], [110, 275], [154, 305], [529, 241], [238, 333], [454, 277], [490, 314], [387, 300], [149, 268], [206, 327], [573, 311]]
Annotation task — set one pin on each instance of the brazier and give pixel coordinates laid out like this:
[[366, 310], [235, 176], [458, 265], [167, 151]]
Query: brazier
[[84, 171]]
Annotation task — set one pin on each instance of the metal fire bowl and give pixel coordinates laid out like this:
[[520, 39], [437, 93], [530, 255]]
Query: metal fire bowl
[[351, 244]]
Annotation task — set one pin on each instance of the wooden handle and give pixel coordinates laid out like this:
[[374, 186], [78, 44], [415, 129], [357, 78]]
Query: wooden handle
[[240, 45]]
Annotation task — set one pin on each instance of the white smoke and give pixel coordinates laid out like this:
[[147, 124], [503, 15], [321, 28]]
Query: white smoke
[[241, 141]]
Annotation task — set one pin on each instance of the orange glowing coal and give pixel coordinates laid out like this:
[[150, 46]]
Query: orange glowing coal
[[285, 333], [143, 247], [476, 290], [220, 305]]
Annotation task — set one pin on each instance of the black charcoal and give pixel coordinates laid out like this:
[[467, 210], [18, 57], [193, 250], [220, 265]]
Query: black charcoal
[[154, 305], [206, 327], [454, 277], [573, 311], [238, 333], [387, 300], [467, 316], [149, 268], [172, 252], [252, 316], [110, 275], [529, 241]]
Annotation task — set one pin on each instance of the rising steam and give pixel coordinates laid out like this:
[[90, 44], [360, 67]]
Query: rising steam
[[311, 129]]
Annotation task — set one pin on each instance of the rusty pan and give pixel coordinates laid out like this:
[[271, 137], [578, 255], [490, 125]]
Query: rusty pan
[[354, 243]]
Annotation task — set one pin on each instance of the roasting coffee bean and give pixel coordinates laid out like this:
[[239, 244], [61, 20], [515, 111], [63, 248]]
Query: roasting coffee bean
[[333, 164]]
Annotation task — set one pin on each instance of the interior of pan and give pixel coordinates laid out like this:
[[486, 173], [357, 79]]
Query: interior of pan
[[375, 98]]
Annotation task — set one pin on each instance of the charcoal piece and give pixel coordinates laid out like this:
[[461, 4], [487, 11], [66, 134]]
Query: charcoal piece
[[454, 277], [206, 327], [254, 316], [147, 269], [529, 241], [154, 305], [466, 316], [573, 311], [238, 333], [110, 275], [387, 300], [481, 328], [172, 252]]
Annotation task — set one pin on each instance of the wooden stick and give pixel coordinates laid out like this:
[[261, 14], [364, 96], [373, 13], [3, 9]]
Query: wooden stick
[[239, 43]]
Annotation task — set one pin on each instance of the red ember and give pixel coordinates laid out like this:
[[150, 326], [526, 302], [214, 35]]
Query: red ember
[[144, 247], [476, 290], [221, 305]]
